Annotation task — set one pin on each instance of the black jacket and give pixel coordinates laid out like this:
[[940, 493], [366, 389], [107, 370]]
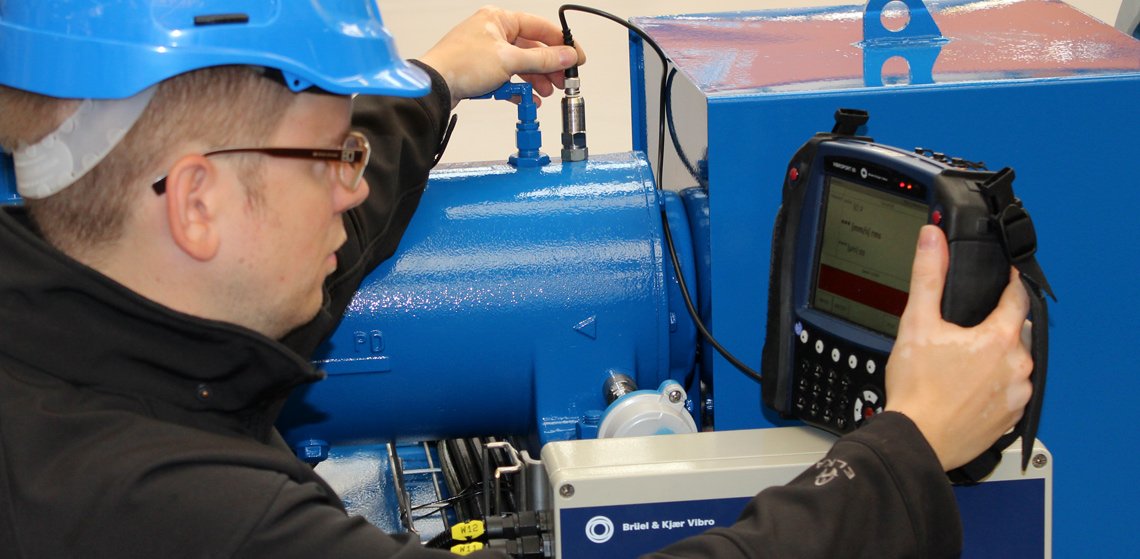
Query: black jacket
[[131, 430]]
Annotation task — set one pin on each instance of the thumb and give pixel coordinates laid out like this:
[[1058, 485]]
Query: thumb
[[541, 60], [927, 276]]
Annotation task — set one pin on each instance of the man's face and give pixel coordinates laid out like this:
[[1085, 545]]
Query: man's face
[[287, 242]]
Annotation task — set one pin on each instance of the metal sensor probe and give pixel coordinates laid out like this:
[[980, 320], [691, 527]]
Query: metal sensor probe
[[573, 123]]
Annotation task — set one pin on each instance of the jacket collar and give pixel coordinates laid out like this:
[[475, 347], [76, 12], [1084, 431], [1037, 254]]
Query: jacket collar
[[72, 322]]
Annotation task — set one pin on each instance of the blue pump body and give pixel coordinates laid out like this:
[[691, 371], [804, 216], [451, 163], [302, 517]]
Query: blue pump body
[[513, 295]]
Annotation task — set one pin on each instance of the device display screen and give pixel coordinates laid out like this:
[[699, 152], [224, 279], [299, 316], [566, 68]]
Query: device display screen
[[865, 254]]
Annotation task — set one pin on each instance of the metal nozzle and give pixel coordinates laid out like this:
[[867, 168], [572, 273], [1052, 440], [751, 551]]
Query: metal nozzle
[[617, 385], [573, 123]]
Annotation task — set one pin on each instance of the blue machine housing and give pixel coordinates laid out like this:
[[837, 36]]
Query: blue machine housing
[[514, 295], [1035, 85]]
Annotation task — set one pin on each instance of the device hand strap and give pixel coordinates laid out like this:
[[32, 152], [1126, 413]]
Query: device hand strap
[[1019, 239]]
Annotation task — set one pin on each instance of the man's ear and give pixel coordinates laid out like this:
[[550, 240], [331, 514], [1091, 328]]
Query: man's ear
[[193, 203]]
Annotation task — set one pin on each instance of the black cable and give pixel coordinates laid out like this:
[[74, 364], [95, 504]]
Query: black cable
[[473, 447], [438, 505], [693, 172], [648, 40], [467, 474], [693, 311], [692, 169], [448, 469], [661, 119], [442, 540]]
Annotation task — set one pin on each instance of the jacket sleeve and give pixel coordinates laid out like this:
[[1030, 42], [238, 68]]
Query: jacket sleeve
[[222, 509], [300, 524], [880, 492], [406, 137]]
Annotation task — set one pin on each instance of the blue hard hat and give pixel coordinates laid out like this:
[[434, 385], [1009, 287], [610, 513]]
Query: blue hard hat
[[113, 49]]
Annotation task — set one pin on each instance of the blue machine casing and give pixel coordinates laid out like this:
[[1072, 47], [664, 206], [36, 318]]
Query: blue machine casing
[[514, 294], [1031, 84]]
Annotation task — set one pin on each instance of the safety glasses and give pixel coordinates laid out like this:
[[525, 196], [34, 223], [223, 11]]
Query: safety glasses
[[347, 163]]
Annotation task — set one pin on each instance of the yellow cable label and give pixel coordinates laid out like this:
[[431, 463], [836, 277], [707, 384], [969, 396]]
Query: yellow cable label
[[466, 548], [467, 530]]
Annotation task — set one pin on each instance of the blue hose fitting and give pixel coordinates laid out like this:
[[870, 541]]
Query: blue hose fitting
[[528, 137]]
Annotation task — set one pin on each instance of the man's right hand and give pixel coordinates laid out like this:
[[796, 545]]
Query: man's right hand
[[494, 44], [962, 387]]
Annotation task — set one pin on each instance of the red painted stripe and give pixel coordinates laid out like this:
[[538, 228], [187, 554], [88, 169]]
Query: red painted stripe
[[862, 290]]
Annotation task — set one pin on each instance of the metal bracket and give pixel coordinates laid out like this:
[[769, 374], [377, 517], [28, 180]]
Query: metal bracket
[[516, 467], [403, 500], [919, 42]]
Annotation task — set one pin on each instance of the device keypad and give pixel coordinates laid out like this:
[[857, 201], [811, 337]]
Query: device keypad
[[837, 386]]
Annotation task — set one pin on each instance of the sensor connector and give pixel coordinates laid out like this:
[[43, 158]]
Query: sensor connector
[[573, 122]]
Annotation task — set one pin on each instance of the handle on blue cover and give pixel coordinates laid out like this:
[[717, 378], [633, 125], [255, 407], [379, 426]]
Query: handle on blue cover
[[919, 43], [920, 28]]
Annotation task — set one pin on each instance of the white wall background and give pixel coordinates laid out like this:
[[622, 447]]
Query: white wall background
[[486, 128]]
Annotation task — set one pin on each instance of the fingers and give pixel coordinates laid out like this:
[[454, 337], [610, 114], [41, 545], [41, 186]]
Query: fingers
[[927, 278], [544, 84], [1020, 389], [540, 42], [962, 413], [540, 60], [540, 83], [1012, 308], [535, 28], [489, 47]]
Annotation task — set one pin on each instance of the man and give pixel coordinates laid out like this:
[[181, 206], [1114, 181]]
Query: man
[[194, 194]]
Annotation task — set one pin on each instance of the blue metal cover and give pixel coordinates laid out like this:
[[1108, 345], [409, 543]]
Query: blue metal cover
[[1032, 84], [823, 49]]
